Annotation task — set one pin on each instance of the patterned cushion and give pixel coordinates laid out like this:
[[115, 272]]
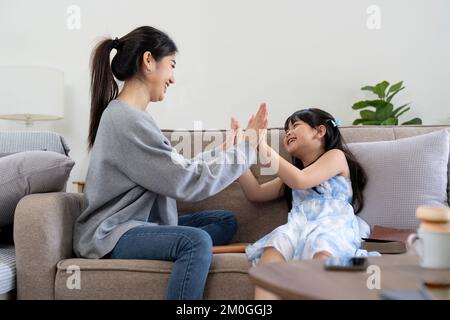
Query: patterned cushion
[[18, 141], [403, 174], [7, 268]]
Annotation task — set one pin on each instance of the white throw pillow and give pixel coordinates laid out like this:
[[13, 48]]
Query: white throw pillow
[[402, 175]]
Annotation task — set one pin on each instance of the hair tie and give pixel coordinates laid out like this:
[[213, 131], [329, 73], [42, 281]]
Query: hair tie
[[336, 123], [115, 43]]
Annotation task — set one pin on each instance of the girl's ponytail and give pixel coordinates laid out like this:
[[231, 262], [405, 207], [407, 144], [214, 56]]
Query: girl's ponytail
[[103, 85], [333, 140]]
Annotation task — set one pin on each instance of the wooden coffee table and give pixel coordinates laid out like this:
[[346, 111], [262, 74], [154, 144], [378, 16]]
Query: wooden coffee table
[[308, 279]]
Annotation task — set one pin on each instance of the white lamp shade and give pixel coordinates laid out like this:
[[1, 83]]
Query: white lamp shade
[[31, 93]]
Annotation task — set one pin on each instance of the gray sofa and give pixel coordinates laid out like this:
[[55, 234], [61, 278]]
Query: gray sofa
[[46, 264]]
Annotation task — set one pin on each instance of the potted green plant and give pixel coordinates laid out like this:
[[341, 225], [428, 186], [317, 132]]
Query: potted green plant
[[384, 113]]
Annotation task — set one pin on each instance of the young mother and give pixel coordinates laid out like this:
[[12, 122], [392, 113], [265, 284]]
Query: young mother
[[135, 176]]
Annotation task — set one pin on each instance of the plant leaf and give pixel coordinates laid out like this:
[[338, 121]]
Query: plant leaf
[[392, 95], [368, 88], [379, 104], [402, 112], [395, 87], [358, 121], [384, 112], [413, 121], [380, 89], [368, 115], [390, 122], [366, 103], [371, 122], [397, 110]]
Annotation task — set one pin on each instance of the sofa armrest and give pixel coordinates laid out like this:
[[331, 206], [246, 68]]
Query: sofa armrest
[[43, 236]]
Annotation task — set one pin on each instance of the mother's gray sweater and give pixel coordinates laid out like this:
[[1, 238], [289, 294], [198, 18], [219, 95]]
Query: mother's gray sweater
[[135, 177]]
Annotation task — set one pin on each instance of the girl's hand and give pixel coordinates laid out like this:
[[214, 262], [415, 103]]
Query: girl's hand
[[257, 124], [263, 138]]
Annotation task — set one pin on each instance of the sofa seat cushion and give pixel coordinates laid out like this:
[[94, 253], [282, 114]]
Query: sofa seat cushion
[[7, 268], [147, 279]]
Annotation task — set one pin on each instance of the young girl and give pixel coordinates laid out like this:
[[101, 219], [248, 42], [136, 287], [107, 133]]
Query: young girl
[[323, 187]]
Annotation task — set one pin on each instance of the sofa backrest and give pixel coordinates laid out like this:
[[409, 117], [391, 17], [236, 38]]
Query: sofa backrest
[[257, 219]]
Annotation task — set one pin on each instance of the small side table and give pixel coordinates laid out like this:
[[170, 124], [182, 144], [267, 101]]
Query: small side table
[[80, 186], [308, 279]]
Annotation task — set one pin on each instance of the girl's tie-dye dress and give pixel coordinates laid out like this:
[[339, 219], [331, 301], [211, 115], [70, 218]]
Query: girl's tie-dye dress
[[321, 219]]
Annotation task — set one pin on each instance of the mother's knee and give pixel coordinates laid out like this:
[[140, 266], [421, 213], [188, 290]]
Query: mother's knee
[[198, 240], [232, 221], [228, 219]]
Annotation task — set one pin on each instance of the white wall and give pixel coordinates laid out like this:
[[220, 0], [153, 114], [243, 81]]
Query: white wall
[[235, 53]]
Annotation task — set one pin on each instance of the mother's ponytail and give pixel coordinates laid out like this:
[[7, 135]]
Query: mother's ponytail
[[103, 85], [125, 65]]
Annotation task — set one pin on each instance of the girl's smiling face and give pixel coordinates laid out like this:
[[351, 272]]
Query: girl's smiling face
[[300, 136]]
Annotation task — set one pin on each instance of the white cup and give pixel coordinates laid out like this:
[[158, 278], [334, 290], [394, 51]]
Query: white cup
[[433, 248]]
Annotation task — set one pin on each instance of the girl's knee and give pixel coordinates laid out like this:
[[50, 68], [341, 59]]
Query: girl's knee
[[271, 254], [322, 255], [270, 250]]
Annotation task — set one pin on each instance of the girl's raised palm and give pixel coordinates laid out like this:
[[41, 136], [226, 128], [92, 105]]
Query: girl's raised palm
[[257, 125]]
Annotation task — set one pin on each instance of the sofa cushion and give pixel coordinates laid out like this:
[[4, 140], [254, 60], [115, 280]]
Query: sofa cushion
[[147, 279], [408, 131], [30, 172], [402, 175]]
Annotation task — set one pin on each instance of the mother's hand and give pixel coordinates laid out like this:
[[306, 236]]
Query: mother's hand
[[236, 130], [235, 135]]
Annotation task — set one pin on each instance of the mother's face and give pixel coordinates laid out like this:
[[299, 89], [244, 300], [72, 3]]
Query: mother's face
[[159, 75]]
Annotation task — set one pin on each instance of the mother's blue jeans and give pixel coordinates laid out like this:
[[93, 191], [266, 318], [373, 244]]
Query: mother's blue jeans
[[189, 245]]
